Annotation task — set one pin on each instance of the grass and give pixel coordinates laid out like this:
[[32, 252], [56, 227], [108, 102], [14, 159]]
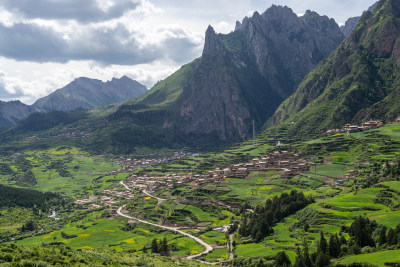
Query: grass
[[217, 254], [333, 170], [214, 237], [96, 233], [378, 258], [86, 172], [394, 185], [352, 202], [200, 214], [260, 250]]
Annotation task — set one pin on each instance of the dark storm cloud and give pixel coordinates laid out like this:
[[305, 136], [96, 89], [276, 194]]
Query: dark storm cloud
[[31, 42], [80, 10]]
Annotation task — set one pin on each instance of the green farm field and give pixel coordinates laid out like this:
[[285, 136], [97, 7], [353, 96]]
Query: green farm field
[[93, 232]]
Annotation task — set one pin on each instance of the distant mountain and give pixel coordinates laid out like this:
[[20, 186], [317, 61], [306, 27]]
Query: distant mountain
[[13, 112], [351, 23], [87, 93], [360, 81]]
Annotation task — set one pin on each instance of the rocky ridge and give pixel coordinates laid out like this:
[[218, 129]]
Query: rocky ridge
[[360, 81], [245, 75], [87, 93]]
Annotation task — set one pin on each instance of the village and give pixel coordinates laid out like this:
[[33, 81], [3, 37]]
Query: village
[[131, 164], [350, 128], [107, 199], [290, 164]]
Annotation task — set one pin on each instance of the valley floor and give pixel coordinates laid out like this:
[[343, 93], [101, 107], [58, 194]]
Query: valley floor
[[350, 175]]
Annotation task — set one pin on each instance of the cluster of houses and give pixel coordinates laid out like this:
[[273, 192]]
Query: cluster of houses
[[154, 183], [290, 164], [130, 165], [357, 128], [372, 124], [364, 126], [351, 175], [69, 133], [106, 199], [119, 193]]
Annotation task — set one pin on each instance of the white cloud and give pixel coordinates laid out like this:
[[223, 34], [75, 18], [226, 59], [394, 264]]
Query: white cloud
[[46, 44], [28, 81]]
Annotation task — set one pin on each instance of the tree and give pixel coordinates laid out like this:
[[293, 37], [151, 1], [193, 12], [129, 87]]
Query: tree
[[361, 230], [392, 237], [154, 246], [334, 246], [382, 236], [282, 259], [322, 260], [343, 240], [299, 259], [164, 250], [322, 245], [29, 226]]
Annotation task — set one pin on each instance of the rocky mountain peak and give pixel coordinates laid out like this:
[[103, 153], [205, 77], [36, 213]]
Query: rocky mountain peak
[[282, 13], [212, 44], [244, 76]]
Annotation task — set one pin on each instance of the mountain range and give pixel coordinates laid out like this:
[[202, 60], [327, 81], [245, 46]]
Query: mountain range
[[87, 93], [81, 93], [276, 68], [12, 112], [241, 78]]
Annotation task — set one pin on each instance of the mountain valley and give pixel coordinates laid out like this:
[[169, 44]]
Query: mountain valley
[[279, 146]]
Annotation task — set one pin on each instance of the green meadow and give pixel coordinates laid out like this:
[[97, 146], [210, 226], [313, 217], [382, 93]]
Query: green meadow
[[93, 232], [378, 258], [83, 172]]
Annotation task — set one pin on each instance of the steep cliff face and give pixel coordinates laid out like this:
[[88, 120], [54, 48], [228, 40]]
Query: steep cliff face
[[245, 75], [87, 93], [13, 112], [359, 81]]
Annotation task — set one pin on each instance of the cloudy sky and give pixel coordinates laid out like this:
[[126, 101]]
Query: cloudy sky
[[45, 44]]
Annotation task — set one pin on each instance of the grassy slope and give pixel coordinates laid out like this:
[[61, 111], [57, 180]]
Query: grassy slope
[[356, 83], [83, 167], [60, 255], [378, 258]]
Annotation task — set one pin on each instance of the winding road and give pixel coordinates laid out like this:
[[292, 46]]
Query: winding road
[[160, 200], [174, 229], [124, 185], [198, 240]]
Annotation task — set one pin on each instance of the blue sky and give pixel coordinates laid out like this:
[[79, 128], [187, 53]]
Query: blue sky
[[45, 44]]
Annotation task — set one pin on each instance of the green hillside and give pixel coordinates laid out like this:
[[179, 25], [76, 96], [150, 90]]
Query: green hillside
[[51, 255], [360, 80]]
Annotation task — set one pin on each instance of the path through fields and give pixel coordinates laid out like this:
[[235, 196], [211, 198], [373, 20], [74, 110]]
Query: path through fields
[[196, 239]]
